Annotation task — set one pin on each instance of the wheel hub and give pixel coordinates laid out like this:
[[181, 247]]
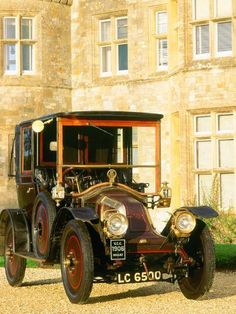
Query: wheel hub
[[70, 261]]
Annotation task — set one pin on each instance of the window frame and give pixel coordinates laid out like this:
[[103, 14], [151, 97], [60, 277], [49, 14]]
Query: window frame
[[158, 38], [201, 55], [116, 27], [114, 44], [228, 52], [215, 137], [105, 73], [216, 9], [19, 42], [121, 72]]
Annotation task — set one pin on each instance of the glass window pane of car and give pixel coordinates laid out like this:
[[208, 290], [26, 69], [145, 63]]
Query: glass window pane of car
[[103, 145], [27, 149]]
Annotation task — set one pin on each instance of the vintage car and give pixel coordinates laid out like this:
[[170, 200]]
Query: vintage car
[[91, 200]]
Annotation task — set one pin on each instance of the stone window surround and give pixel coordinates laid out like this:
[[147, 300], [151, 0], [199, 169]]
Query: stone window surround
[[215, 137], [212, 20], [19, 42], [155, 37]]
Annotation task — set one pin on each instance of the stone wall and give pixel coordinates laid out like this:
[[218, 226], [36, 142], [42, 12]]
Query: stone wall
[[187, 88], [47, 90]]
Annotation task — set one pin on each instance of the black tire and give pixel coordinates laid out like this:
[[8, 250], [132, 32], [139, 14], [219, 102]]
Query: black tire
[[77, 266], [14, 265], [43, 215], [201, 274]]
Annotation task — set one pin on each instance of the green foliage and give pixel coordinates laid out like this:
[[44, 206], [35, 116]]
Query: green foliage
[[30, 264], [225, 256], [223, 227]]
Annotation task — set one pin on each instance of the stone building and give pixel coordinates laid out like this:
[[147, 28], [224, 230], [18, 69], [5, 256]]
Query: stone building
[[167, 56], [35, 70]]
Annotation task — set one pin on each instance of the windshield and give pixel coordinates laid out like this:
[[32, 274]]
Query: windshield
[[130, 148]]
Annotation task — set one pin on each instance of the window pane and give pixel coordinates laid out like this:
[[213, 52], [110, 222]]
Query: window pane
[[105, 31], [225, 122], [201, 9], [161, 23], [227, 190], [204, 155], [27, 149], [106, 59], [226, 153], [10, 57], [122, 28], [224, 37], [223, 7], [202, 39], [27, 57], [162, 52], [9, 28], [26, 28], [204, 188], [122, 57], [203, 124]]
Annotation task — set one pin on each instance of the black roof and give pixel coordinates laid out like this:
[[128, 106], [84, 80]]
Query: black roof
[[102, 115]]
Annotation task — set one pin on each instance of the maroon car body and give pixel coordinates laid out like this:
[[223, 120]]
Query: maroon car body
[[90, 199]]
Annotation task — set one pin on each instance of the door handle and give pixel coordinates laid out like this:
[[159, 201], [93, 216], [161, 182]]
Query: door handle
[[29, 190]]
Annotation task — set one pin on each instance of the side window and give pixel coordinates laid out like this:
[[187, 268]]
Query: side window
[[27, 149]]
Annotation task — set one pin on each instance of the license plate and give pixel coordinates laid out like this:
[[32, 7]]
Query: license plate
[[118, 249], [133, 277]]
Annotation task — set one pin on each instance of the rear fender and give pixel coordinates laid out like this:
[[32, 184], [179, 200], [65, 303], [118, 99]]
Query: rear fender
[[20, 227]]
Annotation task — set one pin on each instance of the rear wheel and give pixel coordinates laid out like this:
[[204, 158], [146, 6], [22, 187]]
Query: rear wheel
[[77, 266], [43, 215], [14, 265], [201, 273]]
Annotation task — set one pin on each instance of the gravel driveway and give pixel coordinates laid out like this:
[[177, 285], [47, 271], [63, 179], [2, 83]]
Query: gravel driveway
[[42, 292]]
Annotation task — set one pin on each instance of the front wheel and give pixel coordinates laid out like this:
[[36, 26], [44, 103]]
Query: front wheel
[[77, 267], [14, 265], [201, 273]]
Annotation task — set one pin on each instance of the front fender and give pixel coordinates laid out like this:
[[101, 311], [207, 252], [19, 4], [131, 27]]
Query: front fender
[[202, 211], [85, 214]]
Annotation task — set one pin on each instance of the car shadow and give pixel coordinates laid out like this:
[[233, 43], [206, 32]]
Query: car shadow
[[134, 293], [41, 282]]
